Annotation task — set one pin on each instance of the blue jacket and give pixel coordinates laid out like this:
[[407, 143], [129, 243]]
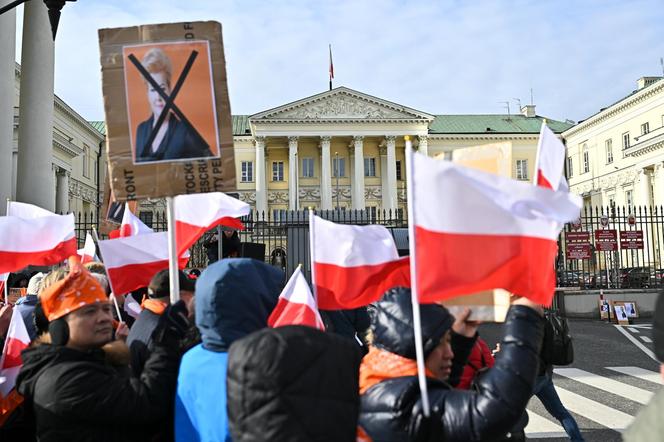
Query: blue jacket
[[234, 297]]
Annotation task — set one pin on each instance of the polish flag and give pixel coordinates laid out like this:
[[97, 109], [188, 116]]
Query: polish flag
[[296, 305], [30, 235], [131, 262], [354, 265], [88, 252], [197, 213], [477, 231], [550, 161], [3, 281], [132, 225], [10, 362]]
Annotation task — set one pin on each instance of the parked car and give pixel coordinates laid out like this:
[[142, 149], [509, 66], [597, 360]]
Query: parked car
[[635, 277], [568, 278]]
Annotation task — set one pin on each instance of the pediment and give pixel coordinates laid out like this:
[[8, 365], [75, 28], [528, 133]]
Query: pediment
[[341, 104]]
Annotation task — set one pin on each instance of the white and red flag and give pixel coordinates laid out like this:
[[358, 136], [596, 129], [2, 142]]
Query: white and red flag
[[10, 362], [3, 282], [197, 213], [477, 231], [550, 162], [89, 252], [296, 305], [132, 225], [131, 262], [354, 265], [30, 235]]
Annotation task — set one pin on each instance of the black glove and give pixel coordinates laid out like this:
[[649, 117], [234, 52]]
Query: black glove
[[173, 324]]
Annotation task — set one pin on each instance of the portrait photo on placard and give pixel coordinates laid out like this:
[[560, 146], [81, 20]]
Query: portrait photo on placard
[[171, 108]]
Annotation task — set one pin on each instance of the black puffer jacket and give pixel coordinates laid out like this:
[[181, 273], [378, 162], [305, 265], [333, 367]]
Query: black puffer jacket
[[392, 409], [80, 396], [293, 384]]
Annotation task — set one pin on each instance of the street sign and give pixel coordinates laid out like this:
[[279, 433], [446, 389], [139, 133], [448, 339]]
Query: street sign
[[577, 236], [631, 239], [606, 240], [578, 251]]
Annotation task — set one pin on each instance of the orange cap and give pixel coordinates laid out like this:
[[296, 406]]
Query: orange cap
[[78, 289]]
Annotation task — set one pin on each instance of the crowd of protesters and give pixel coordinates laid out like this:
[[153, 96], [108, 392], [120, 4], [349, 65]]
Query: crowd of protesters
[[207, 368]]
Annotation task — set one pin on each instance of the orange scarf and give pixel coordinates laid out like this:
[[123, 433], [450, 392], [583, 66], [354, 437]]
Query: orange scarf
[[155, 306], [379, 365]]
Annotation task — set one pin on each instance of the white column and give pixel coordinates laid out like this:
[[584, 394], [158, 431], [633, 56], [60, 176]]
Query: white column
[[261, 183], [35, 132], [391, 173], [7, 91], [293, 159], [424, 145], [643, 197], [326, 174], [358, 173], [385, 194], [62, 192], [658, 198]]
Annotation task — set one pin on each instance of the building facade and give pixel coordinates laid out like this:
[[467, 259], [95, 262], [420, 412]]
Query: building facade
[[77, 161], [616, 157], [345, 149]]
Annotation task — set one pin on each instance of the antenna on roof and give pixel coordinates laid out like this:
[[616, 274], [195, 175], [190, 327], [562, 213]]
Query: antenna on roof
[[507, 105], [518, 102], [531, 97]]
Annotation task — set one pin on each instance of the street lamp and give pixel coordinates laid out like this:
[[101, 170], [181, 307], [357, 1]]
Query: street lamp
[[54, 8], [336, 172]]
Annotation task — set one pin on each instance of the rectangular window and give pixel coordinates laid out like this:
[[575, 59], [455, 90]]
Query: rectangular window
[[277, 171], [307, 167], [247, 171], [625, 138], [570, 167], [609, 151], [628, 199], [146, 217], [586, 161], [339, 167], [399, 178], [369, 167], [522, 170], [86, 161], [645, 128]]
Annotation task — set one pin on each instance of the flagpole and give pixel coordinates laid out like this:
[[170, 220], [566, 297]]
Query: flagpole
[[417, 326], [95, 238], [311, 254], [172, 251], [537, 154]]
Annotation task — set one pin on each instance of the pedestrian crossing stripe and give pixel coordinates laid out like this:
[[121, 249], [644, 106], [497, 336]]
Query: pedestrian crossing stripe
[[547, 426]]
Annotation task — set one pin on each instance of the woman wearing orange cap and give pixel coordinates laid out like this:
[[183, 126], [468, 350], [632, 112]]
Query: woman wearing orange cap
[[74, 392]]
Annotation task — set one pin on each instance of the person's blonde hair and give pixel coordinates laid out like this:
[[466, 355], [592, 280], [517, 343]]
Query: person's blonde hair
[[95, 267], [53, 277], [155, 61]]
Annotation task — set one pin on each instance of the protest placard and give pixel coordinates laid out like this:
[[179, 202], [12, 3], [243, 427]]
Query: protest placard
[[167, 110], [112, 211]]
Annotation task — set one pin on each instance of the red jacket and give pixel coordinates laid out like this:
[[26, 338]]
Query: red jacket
[[479, 358]]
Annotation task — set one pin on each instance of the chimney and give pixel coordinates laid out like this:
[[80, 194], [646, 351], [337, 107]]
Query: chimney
[[644, 82], [528, 110]]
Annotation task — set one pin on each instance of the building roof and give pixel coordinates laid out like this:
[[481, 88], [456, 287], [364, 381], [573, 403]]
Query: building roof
[[241, 125], [100, 126], [495, 123]]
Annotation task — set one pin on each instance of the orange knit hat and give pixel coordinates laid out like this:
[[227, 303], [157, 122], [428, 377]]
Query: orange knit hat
[[78, 289]]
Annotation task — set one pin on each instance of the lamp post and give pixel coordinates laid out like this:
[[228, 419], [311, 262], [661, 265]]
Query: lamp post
[[336, 173]]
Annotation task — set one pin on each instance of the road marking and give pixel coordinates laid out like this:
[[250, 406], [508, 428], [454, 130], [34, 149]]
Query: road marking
[[637, 343], [632, 329], [638, 372], [607, 384], [646, 339], [596, 412], [541, 427]]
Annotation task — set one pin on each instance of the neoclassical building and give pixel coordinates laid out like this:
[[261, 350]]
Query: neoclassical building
[[617, 155], [77, 164], [343, 148]]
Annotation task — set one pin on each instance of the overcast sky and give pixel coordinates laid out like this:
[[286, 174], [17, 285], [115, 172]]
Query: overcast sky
[[441, 57]]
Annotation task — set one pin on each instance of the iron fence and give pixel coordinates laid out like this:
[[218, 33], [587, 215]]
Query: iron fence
[[608, 247], [280, 237]]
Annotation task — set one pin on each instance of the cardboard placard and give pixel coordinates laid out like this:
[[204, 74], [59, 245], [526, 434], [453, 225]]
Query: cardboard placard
[[487, 306], [168, 117], [621, 314], [630, 308], [604, 309], [112, 211]]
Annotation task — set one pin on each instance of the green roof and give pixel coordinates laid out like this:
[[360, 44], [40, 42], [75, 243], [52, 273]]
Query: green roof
[[241, 125], [100, 126], [484, 124]]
